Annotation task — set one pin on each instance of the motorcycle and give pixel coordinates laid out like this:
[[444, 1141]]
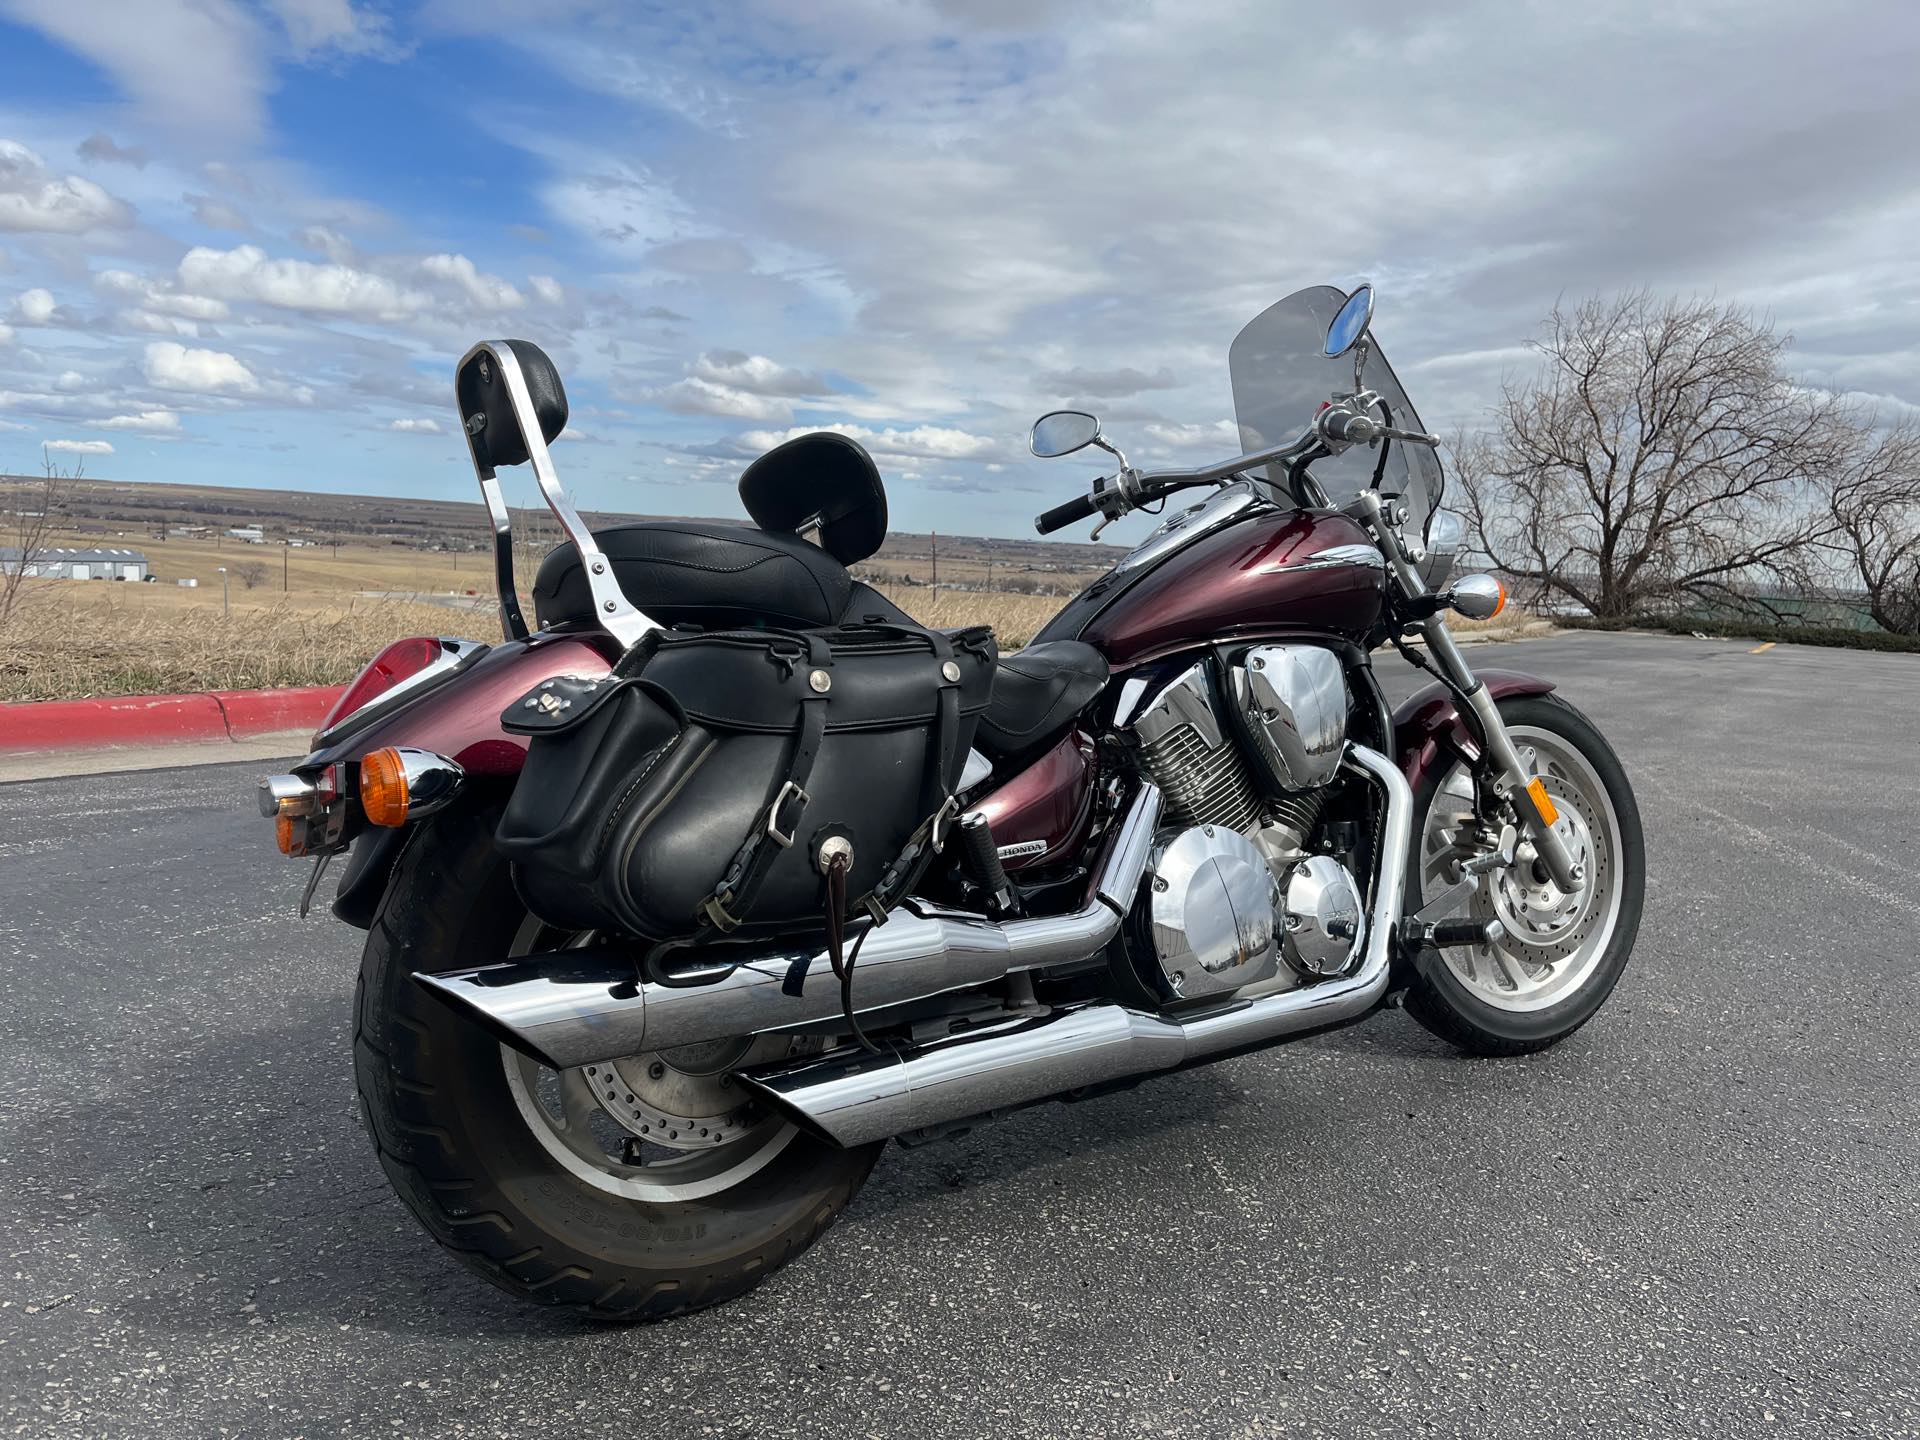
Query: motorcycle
[[1189, 826]]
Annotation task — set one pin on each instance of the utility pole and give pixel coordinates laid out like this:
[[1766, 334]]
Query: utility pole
[[286, 554], [223, 591], [935, 535]]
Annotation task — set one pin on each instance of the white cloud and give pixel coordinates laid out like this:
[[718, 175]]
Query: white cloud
[[204, 372], [487, 292], [145, 294], [695, 396], [330, 243], [217, 214], [245, 273], [416, 427], [33, 198], [921, 442], [756, 373], [6, 334], [156, 324], [99, 148], [336, 26], [34, 307], [79, 447], [152, 422], [546, 288], [190, 64]]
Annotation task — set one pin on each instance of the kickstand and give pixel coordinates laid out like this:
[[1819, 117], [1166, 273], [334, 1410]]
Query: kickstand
[[313, 881]]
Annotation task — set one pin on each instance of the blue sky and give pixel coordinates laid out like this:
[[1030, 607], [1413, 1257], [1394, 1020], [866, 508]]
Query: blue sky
[[244, 244]]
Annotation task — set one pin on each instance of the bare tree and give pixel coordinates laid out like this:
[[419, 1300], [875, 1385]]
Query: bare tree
[[1660, 451], [36, 505], [250, 573], [1873, 501]]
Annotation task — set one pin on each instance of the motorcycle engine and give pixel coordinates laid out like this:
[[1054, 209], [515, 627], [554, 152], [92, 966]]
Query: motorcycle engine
[[1234, 887]]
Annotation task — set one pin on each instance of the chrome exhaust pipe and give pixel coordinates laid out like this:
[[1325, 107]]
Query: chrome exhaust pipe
[[580, 1007], [857, 1098]]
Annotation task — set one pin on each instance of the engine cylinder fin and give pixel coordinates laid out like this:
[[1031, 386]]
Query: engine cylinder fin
[[1203, 783]]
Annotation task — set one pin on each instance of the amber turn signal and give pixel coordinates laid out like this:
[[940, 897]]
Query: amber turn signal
[[283, 833], [383, 787]]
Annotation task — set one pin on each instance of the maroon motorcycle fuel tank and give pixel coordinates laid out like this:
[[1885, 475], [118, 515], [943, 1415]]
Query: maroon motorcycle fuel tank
[[1280, 572]]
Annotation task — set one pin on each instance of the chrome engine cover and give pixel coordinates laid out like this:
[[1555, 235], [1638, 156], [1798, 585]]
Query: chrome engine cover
[[1324, 926], [1214, 906], [1295, 701]]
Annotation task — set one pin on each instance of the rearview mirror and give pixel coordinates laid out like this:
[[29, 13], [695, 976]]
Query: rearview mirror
[[1061, 432], [1349, 327]]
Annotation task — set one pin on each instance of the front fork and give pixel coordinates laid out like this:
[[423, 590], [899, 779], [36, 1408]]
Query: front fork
[[1511, 780]]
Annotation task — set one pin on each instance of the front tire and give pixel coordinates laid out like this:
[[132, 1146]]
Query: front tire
[[1563, 954], [449, 1114]]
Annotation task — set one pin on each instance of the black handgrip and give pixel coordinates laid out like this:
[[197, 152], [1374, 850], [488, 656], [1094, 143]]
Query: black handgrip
[[1078, 508]]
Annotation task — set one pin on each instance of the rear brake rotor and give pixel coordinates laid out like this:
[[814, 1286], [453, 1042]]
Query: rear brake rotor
[[684, 1098]]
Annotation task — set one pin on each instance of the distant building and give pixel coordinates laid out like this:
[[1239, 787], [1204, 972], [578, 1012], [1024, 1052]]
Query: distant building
[[79, 564], [249, 534]]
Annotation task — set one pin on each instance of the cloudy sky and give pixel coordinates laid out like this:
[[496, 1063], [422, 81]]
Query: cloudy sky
[[245, 244]]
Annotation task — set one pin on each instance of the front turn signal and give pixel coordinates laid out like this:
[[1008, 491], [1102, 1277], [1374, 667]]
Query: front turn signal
[[383, 787], [1478, 597]]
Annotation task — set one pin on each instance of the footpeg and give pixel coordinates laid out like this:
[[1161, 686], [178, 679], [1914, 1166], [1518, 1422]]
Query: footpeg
[[981, 859], [1444, 934]]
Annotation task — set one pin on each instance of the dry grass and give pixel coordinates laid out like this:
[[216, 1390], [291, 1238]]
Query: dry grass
[[114, 644], [76, 638]]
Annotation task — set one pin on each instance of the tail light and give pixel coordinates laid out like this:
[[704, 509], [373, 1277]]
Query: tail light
[[398, 785]]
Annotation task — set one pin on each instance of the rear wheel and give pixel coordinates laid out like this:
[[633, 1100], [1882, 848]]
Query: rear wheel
[[1562, 953], [631, 1190]]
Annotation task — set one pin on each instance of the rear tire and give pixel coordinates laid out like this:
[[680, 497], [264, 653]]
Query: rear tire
[[1524, 999], [437, 1102]]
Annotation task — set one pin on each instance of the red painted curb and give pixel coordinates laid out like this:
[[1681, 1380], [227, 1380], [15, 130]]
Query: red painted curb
[[262, 712], [123, 720]]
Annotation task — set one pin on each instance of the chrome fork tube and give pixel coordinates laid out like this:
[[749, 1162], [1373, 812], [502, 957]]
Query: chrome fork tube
[[1511, 777]]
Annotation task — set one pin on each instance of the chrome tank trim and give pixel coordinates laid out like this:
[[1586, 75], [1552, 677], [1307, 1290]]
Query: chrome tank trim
[[1333, 557], [1222, 508], [579, 1007], [856, 1098]]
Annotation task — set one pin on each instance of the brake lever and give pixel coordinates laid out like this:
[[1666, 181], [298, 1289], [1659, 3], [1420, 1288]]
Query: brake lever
[[1411, 437]]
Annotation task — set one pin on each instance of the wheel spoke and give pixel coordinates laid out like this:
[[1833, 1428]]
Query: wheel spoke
[[1514, 972], [576, 1100]]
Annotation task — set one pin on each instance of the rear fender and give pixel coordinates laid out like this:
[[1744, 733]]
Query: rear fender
[[1428, 733], [459, 719]]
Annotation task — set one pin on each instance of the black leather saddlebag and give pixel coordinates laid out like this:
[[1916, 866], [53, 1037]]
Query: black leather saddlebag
[[707, 783]]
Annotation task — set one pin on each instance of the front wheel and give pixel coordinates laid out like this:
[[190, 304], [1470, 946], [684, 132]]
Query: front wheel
[[626, 1191], [1561, 953]]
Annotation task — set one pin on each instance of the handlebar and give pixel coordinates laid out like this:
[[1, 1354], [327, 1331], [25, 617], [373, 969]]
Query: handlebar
[[1336, 425], [1061, 516]]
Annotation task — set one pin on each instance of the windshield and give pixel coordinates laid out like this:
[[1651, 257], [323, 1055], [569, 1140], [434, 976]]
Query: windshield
[[1282, 376]]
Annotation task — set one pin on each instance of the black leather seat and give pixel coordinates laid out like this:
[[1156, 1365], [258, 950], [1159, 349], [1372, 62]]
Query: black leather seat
[[1036, 693], [685, 572]]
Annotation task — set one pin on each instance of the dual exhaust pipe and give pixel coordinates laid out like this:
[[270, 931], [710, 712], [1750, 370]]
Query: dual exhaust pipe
[[579, 1007], [857, 1098]]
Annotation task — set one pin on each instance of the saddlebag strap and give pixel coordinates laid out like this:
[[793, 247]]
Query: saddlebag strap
[[939, 805], [731, 903]]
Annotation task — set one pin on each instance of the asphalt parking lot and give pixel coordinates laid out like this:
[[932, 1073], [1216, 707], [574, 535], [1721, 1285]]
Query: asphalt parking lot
[[1699, 1216]]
